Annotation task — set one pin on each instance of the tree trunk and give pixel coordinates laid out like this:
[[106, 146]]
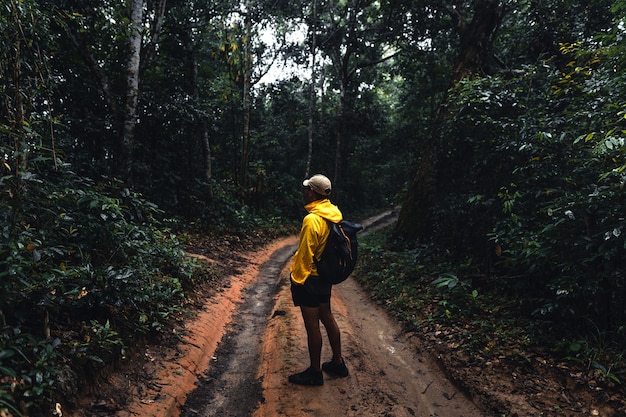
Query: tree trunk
[[126, 119], [342, 55], [207, 155], [19, 117], [247, 62], [204, 130], [149, 50], [312, 90], [341, 129], [208, 166], [475, 37], [132, 92], [416, 216]]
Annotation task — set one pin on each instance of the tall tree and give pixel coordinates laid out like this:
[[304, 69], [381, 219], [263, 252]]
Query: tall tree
[[312, 89], [246, 94], [476, 36], [250, 57], [103, 37], [132, 89], [25, 88], [353, 35]]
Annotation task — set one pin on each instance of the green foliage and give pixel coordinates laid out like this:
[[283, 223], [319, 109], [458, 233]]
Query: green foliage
[[536, 163], [455, 289], [531, 183], [99, 342], [571, 202], [27, 370], [473, 316], [528, 217], [72, 248], [599, 352], [460, 307]]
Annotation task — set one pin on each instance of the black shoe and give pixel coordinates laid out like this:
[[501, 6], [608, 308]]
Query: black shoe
[[308, 377], [336, 368]]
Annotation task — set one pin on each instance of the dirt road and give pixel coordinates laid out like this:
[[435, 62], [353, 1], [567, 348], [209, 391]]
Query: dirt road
[[238, 353], [388, 376]]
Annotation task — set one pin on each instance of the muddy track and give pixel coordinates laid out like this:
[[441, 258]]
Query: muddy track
[[265, 342], [238, 352], [231, 386]]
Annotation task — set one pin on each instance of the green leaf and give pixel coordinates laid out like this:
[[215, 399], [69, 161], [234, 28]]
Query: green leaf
[[575, 347], [6, 353]]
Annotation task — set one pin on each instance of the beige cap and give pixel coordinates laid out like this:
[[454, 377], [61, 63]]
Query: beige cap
[[318, 183]]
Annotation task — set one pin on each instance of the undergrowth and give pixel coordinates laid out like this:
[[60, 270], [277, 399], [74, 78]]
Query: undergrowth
[[86, 271], [470, 314]]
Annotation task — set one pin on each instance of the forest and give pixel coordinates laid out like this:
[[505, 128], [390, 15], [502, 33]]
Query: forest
[[129, 128]]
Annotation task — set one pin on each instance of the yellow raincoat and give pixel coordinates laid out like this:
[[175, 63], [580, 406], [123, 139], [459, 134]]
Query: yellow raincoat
[[313, 237]]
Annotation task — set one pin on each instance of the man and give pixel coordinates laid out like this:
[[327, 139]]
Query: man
[[309, 291]]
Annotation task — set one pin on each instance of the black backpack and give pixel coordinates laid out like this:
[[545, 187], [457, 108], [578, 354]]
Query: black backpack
[[339, 257]]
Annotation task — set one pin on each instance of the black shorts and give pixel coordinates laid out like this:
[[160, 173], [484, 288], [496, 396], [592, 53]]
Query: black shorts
[[313, 293]]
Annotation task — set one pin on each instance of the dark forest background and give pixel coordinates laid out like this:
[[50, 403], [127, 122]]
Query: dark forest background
[[497, 129]]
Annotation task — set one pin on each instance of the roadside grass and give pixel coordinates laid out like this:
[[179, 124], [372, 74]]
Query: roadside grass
[[453, 305]]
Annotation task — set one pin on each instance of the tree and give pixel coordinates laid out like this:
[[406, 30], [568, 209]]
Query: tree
[[354, 36], [132, 90], [249, 57], [312, 89], [97, 40], [473, 57], [476, 38], [27, 119]]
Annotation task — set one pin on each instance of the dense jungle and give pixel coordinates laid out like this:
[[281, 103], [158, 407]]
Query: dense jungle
[[136, 133]]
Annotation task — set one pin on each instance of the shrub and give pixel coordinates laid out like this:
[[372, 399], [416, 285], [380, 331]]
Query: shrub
[[84, 269]]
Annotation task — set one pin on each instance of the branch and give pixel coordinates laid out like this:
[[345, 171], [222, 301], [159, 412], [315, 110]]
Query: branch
[[459, 21], [367, 64], [155, 32], [379, 61]]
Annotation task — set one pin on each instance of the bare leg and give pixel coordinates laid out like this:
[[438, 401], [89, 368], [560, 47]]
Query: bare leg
[[311, 316], [332, 329]]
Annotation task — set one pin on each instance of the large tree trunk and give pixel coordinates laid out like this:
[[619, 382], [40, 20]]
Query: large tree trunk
[[416, 216], [475, 49], [132, 92], [414, 221]]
